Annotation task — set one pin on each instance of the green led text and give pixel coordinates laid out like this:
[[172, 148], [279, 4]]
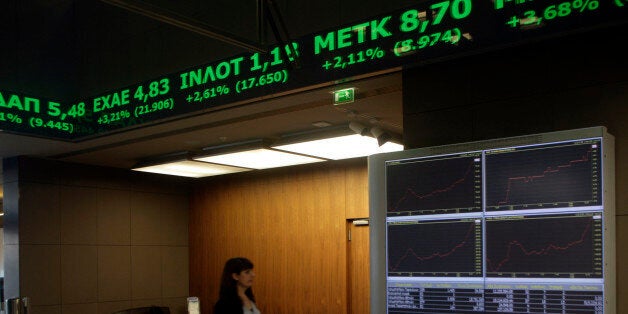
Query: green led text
[[211, 73], [346, 37], [112, 100], [11, 101]]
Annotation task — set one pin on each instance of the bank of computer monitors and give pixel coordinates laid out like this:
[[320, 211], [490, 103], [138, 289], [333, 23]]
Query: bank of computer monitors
[[512, 225]]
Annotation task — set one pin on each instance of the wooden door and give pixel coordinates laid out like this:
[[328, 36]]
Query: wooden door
[[358, 262]]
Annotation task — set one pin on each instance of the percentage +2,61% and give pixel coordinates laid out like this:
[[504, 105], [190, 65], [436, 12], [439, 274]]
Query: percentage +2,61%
[[208, 93]]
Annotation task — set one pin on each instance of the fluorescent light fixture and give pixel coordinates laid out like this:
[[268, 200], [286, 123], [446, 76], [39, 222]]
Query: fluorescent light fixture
[[259, 158], [300, 148], [189, 168], [341, 147]]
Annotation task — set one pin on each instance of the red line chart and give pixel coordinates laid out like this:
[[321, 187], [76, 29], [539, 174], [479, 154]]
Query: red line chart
[[413, 261], [445, 183], [547, 176], [544, 174], [552, 245]]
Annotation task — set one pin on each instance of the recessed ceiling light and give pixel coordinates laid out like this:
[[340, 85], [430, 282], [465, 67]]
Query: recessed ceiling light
[[189, 168], [340, 147], [259, 158]]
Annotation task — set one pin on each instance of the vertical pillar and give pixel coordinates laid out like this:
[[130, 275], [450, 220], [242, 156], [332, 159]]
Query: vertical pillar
[[11, 228]]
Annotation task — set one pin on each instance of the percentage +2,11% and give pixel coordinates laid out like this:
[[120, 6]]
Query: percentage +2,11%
[[341, 62]]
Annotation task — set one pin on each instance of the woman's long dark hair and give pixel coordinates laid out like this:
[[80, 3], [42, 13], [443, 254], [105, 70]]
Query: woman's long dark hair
[[228, 285]]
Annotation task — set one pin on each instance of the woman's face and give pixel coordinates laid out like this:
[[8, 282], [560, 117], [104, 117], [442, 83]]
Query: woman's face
[[245, 278]]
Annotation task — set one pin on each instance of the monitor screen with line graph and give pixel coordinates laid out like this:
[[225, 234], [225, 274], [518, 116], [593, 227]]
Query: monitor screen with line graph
[[513, 225]]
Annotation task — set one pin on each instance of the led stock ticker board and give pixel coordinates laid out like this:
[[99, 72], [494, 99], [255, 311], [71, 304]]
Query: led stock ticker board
[[414, 35]]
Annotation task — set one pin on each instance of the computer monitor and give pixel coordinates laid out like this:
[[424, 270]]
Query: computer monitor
[[522, 225]]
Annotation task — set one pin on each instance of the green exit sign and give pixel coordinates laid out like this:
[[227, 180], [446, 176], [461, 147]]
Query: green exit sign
[[344, 96]]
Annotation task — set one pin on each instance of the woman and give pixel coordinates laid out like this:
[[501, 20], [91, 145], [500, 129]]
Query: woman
[[236, 295]]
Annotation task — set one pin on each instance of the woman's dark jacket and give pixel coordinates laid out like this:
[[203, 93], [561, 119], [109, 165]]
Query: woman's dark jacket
[[228, 306]]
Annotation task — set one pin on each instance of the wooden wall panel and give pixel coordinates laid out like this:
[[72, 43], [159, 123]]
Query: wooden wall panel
[[357, 186], [115, 224], [290, 222]]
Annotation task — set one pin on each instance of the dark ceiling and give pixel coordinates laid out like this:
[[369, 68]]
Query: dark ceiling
[[64, 49], [68, 49]]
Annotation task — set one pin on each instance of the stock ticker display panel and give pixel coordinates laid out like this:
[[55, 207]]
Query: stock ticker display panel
[[427, 31], [516, 229]]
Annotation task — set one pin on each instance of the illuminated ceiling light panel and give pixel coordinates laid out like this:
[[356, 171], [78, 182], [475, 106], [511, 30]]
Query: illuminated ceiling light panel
[[342, 147], [190, 168], [261, 158]]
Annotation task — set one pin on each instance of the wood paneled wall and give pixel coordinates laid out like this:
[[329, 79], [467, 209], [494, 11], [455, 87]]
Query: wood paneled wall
[[94, 240], [291, 222]]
